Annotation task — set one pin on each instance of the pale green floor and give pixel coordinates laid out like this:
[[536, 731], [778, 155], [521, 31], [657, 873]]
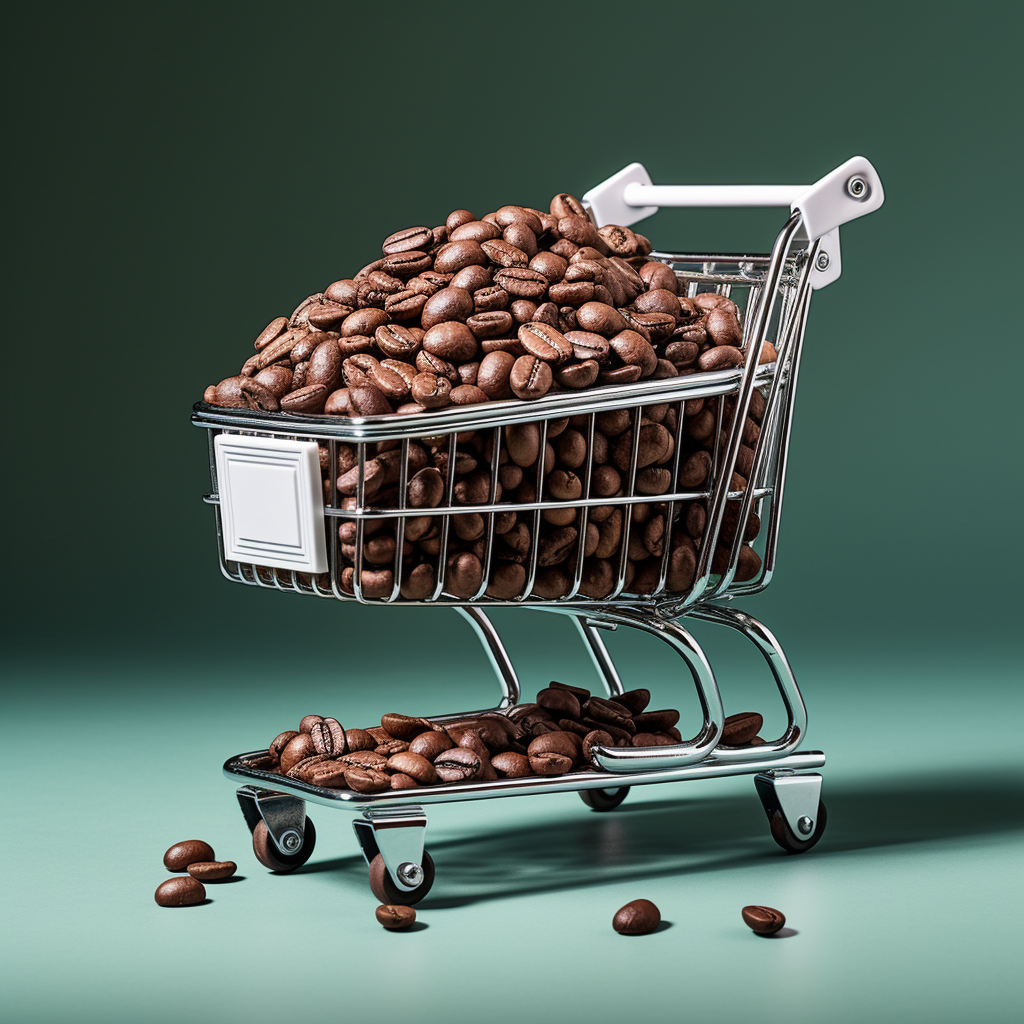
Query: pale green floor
[[908, 910]]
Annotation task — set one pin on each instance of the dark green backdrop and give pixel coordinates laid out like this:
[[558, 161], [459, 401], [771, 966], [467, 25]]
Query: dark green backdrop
[[182, 179]]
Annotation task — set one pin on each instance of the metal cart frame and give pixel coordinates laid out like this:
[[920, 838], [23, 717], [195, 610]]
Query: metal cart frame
[[390, 826]]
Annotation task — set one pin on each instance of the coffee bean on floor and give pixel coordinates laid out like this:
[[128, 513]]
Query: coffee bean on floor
[[182, 891], [212, 870], [395, 918], [190, 851], [639, 917], [763, 920]]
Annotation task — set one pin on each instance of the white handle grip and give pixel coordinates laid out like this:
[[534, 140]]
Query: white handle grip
[[850, 191]]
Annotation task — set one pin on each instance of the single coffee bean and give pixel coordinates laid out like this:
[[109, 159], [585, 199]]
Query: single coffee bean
[[639, 917], [458, 765], [328, 737], [763, 920], [544, 342], [430, 744], [212, 870], [189, 851], [279, 742], [610, 711], [530, 378], [559, 702], [367, 780], [511, 765], [367, 758], [634, 701], [408, 239], [180, 892], [416, 766], [596, 738], [740, 729], [655, 721], [296, 749], [395, 918], [402, 727]]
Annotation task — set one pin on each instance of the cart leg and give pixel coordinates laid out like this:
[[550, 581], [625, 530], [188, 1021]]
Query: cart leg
[[793, 806], [599, 655], [764, 640], [282, 836], [401, 870], [508, 681]]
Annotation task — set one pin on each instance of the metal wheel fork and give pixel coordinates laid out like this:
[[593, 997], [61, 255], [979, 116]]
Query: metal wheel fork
[[396, 834], [283, 814]]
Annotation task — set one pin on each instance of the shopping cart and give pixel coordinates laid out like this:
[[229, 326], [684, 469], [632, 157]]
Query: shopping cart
[[278, 528]]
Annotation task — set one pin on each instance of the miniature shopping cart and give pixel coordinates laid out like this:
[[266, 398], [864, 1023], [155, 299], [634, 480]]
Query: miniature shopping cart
[[278, 529]]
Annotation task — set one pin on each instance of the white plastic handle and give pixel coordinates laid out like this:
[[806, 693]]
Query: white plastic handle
[[850, 191]]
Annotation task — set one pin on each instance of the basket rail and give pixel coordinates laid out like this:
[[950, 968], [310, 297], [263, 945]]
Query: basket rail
[[776, 289]]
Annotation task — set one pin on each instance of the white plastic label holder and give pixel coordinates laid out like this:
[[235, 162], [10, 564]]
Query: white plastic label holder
[[271, 502]]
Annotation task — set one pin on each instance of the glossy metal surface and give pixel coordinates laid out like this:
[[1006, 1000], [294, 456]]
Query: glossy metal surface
[[710, 768]]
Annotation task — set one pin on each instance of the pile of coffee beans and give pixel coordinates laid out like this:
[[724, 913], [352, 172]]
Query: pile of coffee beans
[[514, 305], [198, 859], [553, 736]]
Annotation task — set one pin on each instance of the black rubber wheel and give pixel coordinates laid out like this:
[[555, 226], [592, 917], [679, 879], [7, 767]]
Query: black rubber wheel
[[387, 892], [272, 858], [604, 799], [791, 843]]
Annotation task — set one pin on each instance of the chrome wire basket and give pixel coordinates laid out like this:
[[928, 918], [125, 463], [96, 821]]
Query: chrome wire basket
[[282, 524]]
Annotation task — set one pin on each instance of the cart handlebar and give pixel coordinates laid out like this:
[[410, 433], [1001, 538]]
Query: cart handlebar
[[850, 191]]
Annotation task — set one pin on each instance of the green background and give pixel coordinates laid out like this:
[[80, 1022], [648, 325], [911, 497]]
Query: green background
[[184, 176]]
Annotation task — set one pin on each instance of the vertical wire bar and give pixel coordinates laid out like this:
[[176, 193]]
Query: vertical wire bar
[[403, 483], [357, 573], [627, 509], [670, 513], [492, 494], [442, 544], [538, 514], [585, 517], [334, 502]]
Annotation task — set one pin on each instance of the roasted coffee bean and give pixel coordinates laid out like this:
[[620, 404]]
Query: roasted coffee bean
[[402, 727], [367, 780], [279, 742], [634, 701], [212, 870], [395, 918], [740, 729], [408, 239], [639, 917], [763, 920], [458, 765], [363, 758], [559, 702], [511, 765], [596, 738], [530, 378], [655, 721], [416, 766], [430, 744], [180, 892], [189, 851], [301, 746], [328, 737], [544, 342], [610, 711]]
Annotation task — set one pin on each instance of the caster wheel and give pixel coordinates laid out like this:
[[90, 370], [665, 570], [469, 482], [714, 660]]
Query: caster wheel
[[387, 892], [604, 799], [272, 858], [788, 840]]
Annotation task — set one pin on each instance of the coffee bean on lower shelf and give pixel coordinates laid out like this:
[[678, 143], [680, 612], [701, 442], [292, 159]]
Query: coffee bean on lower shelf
[[638, 917], [182, 891]]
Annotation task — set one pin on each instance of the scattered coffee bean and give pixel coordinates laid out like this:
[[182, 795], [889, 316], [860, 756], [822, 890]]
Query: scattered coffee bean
[[763, 920], [395, 918], [190, 851], [182, 891], [639, 917], [212, 870]]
